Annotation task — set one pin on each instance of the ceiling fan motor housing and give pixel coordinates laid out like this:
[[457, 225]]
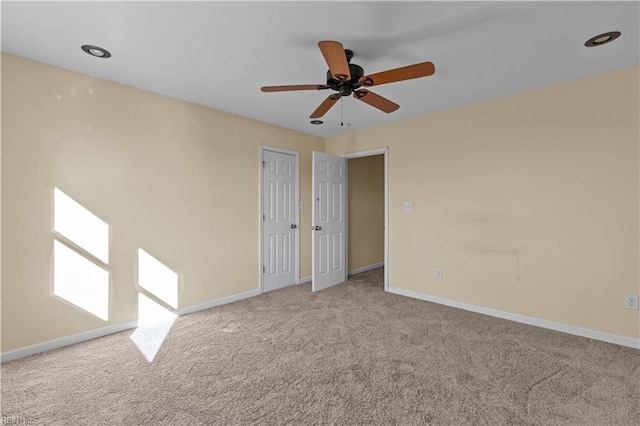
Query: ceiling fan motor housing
[[346, 87]]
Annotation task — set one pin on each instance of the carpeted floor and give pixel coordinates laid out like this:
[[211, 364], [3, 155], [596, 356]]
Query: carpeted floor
[[349, 355]]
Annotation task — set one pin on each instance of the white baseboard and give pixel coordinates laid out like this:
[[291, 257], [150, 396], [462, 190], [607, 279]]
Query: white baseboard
[[565, 328], [105, 331], [66, 341], [217, 302], [365, 268]]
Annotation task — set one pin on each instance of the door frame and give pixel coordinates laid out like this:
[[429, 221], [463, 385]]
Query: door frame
[[368, 153], [261, 212]]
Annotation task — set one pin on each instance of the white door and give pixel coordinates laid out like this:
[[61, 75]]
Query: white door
[[329, 221], [279, 202]]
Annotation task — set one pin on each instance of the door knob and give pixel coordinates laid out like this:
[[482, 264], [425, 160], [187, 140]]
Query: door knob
[[318, 228], [294, 226]]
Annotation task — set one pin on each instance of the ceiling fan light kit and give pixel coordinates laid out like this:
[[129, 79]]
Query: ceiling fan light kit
[[348, 79]]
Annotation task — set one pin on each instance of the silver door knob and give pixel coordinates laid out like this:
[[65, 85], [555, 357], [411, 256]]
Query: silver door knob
[[294, 226], [318, 228]]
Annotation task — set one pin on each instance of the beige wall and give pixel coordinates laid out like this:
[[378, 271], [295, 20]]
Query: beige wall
[[366, 211], [176, 179], [529, 202]]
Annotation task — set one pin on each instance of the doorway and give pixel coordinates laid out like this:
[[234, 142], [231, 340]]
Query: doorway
[[365, 210], [368, 212]]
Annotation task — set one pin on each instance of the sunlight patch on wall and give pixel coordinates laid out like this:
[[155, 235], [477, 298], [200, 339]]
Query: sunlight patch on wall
[[154, 324], [79, 259], [79, 225], [80, 281], [157, 279]]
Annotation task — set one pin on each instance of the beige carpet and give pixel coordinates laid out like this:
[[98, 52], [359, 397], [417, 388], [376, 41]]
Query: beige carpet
[[348, 355]]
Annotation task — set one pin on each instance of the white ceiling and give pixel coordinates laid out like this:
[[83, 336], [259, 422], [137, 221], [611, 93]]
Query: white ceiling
[[219, 54]]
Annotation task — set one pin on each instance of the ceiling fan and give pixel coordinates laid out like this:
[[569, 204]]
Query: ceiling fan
[[347, 78]]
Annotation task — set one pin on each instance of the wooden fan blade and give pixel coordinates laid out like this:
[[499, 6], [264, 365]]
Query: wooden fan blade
[[333, 53], [423, 69], [298, 87], [377, 101], [325, 106]]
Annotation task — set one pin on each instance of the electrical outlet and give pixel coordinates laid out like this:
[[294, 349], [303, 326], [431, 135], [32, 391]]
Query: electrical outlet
[[631, 301], [439, 274]]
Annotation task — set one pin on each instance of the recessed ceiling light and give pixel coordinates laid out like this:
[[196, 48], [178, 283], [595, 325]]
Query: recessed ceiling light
[[316, 121], [96, 51], [601, 39]]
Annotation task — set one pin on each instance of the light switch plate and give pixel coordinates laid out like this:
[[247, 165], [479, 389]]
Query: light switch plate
[[407, 206]]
